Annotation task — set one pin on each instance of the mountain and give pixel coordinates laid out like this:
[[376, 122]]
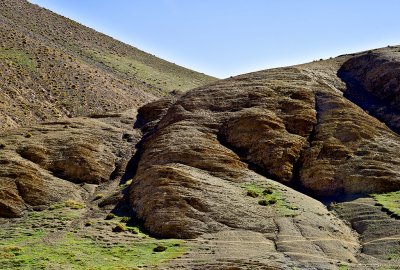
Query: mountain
[[52, 67], [287, 168]]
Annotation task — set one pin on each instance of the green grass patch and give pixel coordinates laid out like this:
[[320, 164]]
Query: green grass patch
[[47, 240], [270, 195], [394, 254], [18, 57], [72, 252], [158, 73], [68, 204], [389, 201]]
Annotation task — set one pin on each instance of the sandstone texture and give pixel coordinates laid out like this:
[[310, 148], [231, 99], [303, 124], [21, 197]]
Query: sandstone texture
[[294, 126], [52, 162], [242, 169]]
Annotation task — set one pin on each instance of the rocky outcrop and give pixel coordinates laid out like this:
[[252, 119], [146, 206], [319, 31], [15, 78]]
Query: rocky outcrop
[[373, 84], [234, 165], [44, 164], [291, 125]]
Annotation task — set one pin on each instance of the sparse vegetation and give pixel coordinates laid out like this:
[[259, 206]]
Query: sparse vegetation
[[126, 184], [110, 216], [120, 228], [125, 219], [18, 57], [74, 204], [252, 193], [23, 245], [390, 202], [270, 196], [98, 196], [68, 78], [160, 248]]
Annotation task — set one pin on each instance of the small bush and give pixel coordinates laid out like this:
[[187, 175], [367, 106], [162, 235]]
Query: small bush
[[129, 182], [267, 191], [11, 249], [119, 228], [88, 224], [110, 216], [28, 135], [132, 230], [2, 146], [272, 201], [98, 196], [263, 202], [125, 219], [252, 193], [267, 201], [160, 248], [74, 204]]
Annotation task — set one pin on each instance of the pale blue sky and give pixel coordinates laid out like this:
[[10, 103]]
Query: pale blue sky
[[230, 37]]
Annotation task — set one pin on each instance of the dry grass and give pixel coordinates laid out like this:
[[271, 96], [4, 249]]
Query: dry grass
[[52, 67]]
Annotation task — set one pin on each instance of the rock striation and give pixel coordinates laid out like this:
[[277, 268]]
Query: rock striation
[[54, 161]]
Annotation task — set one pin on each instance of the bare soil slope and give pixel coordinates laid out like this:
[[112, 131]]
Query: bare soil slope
[[52, 67]]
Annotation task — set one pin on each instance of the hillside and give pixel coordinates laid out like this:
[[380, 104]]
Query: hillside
[[111, 158], [288, 168], [52, 67]]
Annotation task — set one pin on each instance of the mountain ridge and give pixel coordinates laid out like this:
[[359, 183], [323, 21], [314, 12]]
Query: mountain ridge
[[71, 70]]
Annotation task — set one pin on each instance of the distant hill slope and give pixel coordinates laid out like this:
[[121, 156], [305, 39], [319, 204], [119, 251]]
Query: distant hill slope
[[51, 67]]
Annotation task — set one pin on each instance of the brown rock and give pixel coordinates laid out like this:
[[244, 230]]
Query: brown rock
[[46, 167]]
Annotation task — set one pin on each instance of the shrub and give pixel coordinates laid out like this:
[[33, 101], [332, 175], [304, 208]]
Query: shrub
[[267, 201], [74, 204], [272, 200], [267, 191], [125, 219], [110, 216], [119, 228], [263, 202], [252, 193], [98, 196], [160, 248], [2, 146], [132, 230]]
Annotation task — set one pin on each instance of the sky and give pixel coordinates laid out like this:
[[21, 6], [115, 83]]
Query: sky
[[223, 38]]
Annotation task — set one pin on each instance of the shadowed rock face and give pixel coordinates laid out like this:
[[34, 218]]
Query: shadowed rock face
[[373, 84]]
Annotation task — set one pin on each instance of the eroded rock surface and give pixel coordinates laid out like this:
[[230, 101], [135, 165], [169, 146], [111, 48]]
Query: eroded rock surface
[[44, 164], [292, 126], [236, 167]]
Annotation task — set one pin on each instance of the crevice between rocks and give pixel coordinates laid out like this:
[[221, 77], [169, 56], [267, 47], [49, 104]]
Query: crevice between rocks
[[370, 103], [241, 154], [298, 165]]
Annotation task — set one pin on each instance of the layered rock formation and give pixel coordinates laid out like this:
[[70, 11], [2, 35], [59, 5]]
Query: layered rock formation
[[291, 125], [55, 161], [237, 167]]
